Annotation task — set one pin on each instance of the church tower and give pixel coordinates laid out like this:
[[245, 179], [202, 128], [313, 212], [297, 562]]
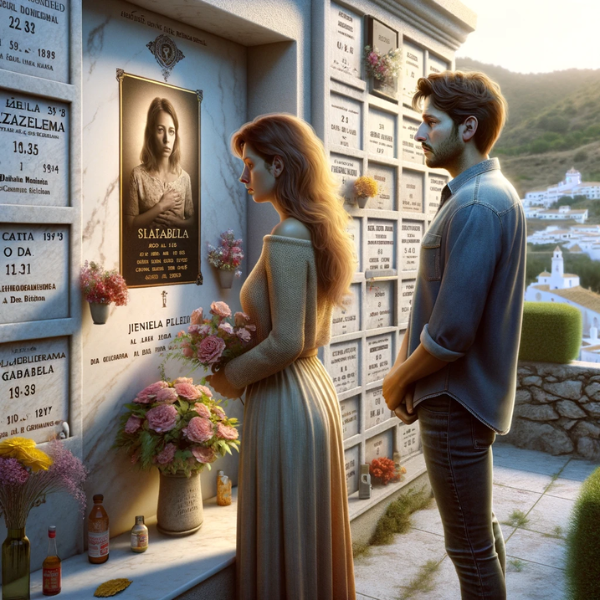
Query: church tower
[[558, 270]]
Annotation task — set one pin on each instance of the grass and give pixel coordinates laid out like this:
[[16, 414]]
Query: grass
[[517, 518], [397, 516], [516, 564], [360, 549], [422, 581], [558, 533]]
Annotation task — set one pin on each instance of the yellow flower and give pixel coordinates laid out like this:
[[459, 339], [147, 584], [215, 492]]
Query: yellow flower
[[365, 186], [24, 450]]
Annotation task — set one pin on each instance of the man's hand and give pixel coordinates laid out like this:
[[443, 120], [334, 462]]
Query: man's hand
[[405, 411]]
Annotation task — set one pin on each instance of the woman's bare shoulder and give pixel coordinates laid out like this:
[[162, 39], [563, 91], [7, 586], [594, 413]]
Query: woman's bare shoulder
[[293, 228]]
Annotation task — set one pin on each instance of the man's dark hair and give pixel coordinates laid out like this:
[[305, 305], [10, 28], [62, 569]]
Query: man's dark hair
[[463, 95]]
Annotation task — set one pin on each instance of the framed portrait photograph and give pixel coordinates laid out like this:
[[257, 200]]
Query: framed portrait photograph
[[160, 182], [382, 39]]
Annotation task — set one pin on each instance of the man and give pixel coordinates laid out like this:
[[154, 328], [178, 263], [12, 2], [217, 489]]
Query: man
[[462, 342]]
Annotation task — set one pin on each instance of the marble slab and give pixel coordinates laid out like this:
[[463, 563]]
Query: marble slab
[[411, 150], [345, 40], [413, 58], [436, 65], [346, 170], [411, 191], [386, 182], [380, 446], [354, 229], [378, 357], [347, 319], [380, 303], [351, 461], [350, 409], [409, 440], [407, 289], [410, 244], [376, 410], [381, 133], [345, 118], [381, 247], [343, 366]]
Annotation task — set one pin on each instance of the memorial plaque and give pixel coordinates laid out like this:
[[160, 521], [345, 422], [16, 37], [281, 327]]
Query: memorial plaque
[[346, 170], [382, 133], [380, 300], [34, 163], [34, 38], [35, 388], [380, 248], [410, 244], [413, 69], [386, 182], [409, 442], [345, 116], [434, 193], [344, 366], [346, 40], [411, 191], [411, 150], [349, 410], [382, 39], [34, 272], [379, 357], [347, 319], [376, 410], [436, 65], [351, 458], [407, 290], [354, 231], [380, 446]]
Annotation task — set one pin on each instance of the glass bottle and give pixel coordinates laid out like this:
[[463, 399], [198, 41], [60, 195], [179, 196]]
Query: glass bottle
[[15, 565], [98, 532], [139, 535], [223, 489], [51, 567]]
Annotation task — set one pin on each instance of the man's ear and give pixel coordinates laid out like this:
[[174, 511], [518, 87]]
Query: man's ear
[[277, 166], [469, 127]]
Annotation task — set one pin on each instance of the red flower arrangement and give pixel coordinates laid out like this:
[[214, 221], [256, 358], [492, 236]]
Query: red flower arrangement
[[383, 469]]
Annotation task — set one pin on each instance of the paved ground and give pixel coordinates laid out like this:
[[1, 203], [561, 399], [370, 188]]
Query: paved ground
[[541, 486]]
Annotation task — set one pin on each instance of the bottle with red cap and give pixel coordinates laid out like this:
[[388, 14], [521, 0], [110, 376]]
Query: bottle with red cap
[[51, 567]]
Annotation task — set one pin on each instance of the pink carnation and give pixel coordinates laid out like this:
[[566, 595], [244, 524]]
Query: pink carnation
[[199, 430], [202, 410], [219, 412], [202, 454], [12, 472], [197, 315], [241, 318], [226, 432], [187, 391], [166, 396], [220, 309], [227, 328], [162, 418], [166, 455], [183, 380], [133, 424], [204, 390], [148, 394], [210, 349], [244, 334]]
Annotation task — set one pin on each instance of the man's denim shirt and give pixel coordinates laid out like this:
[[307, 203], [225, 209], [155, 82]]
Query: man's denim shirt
[[468, 302]]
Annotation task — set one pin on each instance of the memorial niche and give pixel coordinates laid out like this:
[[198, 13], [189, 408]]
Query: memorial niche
[[343, 366], [346, 50], [382, 133], [346, 169], [410, 240], [407, 289], [414, 58], [383, 40], [381, 238], [350, 410], [347, 319], [380, 300], [351, 458], [434, 194], [163, 250], [380, 446], [345, 117], [376, 410], [411, 191], [409, 439], [412, 151], [379, 357], [386, 182]]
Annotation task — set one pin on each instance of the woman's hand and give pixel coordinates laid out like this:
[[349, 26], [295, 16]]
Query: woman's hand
[[219, 383], [170, 200], [168, 219]]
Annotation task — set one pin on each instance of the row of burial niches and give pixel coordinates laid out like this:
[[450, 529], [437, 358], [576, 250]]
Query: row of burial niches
[[366, 48]]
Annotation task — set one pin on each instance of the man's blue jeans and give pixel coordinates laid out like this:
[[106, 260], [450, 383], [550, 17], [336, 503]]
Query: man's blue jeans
[[458, 454]]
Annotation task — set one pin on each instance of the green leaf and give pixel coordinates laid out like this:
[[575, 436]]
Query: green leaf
[[185, 406]]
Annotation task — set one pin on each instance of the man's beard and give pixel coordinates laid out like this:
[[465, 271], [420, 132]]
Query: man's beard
[[446, 153]]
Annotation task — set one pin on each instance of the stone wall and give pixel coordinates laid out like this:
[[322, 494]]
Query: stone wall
[[557, 409]]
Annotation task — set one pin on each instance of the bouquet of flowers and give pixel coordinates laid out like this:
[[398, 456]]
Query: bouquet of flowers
[[383, 469], [213, 341], [365, 187], [228, 255], [102, 287], [176, 426], [28, 475], [383, 67]]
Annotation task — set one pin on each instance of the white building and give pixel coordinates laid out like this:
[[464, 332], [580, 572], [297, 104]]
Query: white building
[[571, 186], [562, 212]]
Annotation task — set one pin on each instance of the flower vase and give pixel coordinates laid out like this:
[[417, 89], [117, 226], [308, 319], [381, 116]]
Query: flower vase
[[362, 201], [15, 565], [180, 511], [226, 279], [99, 312]]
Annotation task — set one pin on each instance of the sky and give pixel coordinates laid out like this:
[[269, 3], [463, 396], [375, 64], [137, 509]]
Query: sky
[[535, 36]]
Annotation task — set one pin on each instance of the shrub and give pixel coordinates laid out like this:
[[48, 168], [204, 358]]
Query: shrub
[[583, 542], [551, 332]]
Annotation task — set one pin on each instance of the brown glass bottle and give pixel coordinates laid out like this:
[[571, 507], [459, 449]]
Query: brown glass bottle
[[51, 567], [98, 535]]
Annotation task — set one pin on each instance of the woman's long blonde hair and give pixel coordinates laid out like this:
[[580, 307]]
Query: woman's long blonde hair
[[306, 190]]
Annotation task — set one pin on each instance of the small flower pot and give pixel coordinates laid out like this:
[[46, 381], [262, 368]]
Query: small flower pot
[[362, 201], [99, 312], [226, 278]]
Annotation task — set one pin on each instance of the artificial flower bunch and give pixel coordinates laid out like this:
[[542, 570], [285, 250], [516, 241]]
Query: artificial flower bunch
[[176, 426], [365, 187], [101, 286], [213, 341], [383, 67], [228, 255], [28, 475], [383, 469]]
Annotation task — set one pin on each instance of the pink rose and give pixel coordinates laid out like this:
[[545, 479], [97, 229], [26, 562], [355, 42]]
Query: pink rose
[[133, 424], [202, 410], [162, 418], [197, 315], [226, 328], [187, 391], [241, 318], [220, 309], [199, 430], [204, 390], [193, 328], [204, 330], [148, 394], [219, 412], [226, 432], [183, 380], [203, 455], [166, 455], [166, 396], [244, 334], [210, 349], [187, 350]]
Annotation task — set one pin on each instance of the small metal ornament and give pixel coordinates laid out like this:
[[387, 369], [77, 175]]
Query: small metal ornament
[[364, 484], [166, 52]]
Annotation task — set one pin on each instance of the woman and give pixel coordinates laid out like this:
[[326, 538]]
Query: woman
[[293, 536], [160, 191]]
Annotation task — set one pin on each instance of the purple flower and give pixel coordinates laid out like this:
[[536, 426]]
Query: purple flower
[[12, 472]]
